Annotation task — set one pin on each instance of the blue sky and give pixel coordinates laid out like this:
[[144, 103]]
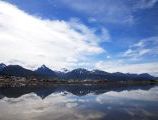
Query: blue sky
[[112, 35]]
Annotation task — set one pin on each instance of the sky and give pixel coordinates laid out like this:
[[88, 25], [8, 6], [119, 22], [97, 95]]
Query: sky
[[110, 35]]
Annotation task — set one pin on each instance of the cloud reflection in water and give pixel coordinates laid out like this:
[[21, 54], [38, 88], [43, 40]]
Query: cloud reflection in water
[[133, 104]]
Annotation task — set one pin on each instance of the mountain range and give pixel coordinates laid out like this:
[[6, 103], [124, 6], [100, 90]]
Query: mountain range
[[76, 74]]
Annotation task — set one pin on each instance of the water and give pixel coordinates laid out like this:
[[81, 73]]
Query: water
[[79, 102]]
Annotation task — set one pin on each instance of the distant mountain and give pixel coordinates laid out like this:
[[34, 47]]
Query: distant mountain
[[79, 74], [45, 71], [76, 74], [146, 76], [2, 66], [64, 70], [82, 74], [16, 70]]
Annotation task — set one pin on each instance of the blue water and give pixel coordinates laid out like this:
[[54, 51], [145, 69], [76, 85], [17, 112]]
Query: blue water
[[78, 102]]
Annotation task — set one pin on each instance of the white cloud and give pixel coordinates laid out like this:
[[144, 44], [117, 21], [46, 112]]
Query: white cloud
[[32, 41], [145, 47], [143, 4], [110, 11], [108, 57], [136, 53], [120, 66], [114, 97], [32, 107], [133, 59]]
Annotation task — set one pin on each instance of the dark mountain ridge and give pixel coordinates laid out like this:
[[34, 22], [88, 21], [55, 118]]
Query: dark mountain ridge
[[2, 66], [16, 70], [45, 72], [76, 74]]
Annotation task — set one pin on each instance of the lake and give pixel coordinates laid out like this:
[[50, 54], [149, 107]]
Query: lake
[[79, 102]]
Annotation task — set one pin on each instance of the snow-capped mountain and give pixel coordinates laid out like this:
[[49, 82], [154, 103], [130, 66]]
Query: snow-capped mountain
[[76, 74], [2, 66], [43, 70]]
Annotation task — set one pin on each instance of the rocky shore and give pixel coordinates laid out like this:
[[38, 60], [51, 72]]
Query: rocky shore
[[12, 81]]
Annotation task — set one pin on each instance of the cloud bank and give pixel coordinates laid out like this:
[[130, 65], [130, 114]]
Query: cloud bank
[[31, 41], [142, 95], [144, 48], [32, 107], [121, 66]]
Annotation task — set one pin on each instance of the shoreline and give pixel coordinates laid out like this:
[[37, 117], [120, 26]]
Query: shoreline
[[22, 82]]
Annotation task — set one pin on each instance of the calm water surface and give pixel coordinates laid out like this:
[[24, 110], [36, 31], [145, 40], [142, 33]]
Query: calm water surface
[[79, 102]]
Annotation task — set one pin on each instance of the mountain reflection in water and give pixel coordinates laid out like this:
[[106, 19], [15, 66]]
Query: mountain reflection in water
[[79, 102]]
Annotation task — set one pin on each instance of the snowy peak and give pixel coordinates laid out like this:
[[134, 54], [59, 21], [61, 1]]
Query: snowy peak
[[80, 70], [65, 70], [43, 70], [76, 74], [2, 66], [43, 67]]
